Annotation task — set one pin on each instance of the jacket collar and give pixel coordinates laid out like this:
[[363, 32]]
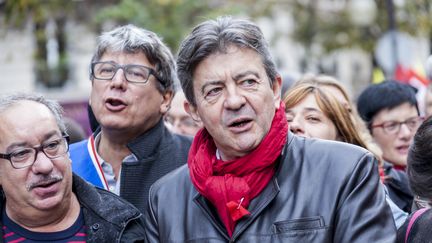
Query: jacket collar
[[256, 206], [93, 199], [89, 197], [145, 145]]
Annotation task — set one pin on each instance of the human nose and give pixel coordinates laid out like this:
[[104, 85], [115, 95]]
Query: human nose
[[296, 126], [404, 131], [42, 164], [234, 99], [119, 79]]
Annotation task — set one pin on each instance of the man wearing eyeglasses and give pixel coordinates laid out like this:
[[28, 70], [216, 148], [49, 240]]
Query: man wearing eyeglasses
[[132, 74], [40, 198], [391, 113], [178, 119]]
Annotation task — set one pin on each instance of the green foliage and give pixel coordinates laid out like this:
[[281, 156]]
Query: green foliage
[[171, 19], [335, 29]]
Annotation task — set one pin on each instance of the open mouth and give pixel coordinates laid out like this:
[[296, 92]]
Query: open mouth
[[240, 123], [402, 149], [115, 102], [45, 183]]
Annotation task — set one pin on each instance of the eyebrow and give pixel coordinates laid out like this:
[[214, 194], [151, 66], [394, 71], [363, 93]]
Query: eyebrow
[[235, 77], [26, 144], [307, 109], [244, 74], [218, 82]]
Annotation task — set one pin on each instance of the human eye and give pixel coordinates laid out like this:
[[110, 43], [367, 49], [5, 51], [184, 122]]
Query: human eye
[[21, 155], [413, 122], [136, 73], [105, 68], [169, 119], [391, 126], [211, 92], [313, 119], [52, 145], [249, 82], [289, 117]]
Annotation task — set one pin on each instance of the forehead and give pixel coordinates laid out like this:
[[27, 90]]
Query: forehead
[[24, 119], [307, 103], [122, 57], [398, 113], [221, 65]]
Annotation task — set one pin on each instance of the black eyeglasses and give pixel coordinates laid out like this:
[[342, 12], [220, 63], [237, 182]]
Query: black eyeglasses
[[393, 127], [25, 157], [133, 73]]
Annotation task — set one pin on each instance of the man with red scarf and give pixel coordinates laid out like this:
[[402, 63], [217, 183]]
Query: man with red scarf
[[248, 179]]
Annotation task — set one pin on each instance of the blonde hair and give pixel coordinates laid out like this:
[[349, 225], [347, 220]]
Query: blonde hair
[[352, 129], [331, 108]]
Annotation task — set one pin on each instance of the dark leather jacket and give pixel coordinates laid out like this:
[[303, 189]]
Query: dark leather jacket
[[323, 191], [398, 187], [158, 152], [108, 217]]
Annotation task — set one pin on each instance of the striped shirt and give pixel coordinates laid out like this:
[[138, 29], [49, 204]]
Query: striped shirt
[[13, 233]]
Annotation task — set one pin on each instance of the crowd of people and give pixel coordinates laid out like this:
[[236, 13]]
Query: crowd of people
[[228, 157]]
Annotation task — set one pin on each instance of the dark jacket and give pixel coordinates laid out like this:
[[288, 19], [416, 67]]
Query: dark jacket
[[158, 151], [323, 191], [421, 229], [108, 217], [398, 187]]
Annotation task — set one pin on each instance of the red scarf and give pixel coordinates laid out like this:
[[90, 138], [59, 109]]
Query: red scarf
[[231, 185]]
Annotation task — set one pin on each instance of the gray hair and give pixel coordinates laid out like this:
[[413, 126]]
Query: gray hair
[[131, 39], [216, 36], [8, 100]]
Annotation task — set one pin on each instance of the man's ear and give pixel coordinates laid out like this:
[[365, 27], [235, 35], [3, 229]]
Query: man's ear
[[166, 101], [192, 111], [277, 85]]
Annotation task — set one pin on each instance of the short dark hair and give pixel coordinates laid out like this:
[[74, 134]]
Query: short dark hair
[[419, 161], [385, 95], [216, 36]]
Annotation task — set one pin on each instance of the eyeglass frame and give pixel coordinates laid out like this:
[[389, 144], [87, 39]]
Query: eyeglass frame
[[399, 124], [186, 121], [37, 149], [422, 202], [123, 67]]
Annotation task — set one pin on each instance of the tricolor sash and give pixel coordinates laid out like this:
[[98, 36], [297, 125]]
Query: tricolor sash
[[86, 162]]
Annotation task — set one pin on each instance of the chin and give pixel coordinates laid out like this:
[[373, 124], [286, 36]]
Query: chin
[[48, 203]]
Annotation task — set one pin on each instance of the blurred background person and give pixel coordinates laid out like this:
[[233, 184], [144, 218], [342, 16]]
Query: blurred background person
[[75, 130], [313, 112], [419, 172], [178, 120], [391, 114], [330, 85], [428, 93]]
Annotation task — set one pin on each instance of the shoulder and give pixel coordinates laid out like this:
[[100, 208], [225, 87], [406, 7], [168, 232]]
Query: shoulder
[[103, 203], [421, 228], [177, 139], [77, 147], [326, 151], [170, 184]]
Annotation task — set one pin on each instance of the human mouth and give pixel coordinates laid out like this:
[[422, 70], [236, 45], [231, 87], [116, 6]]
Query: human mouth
[[403, 149], [46, 186], [240, 125], [114, 104]]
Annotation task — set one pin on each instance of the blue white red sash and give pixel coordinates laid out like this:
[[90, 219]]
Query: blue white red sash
[[86, 162]]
